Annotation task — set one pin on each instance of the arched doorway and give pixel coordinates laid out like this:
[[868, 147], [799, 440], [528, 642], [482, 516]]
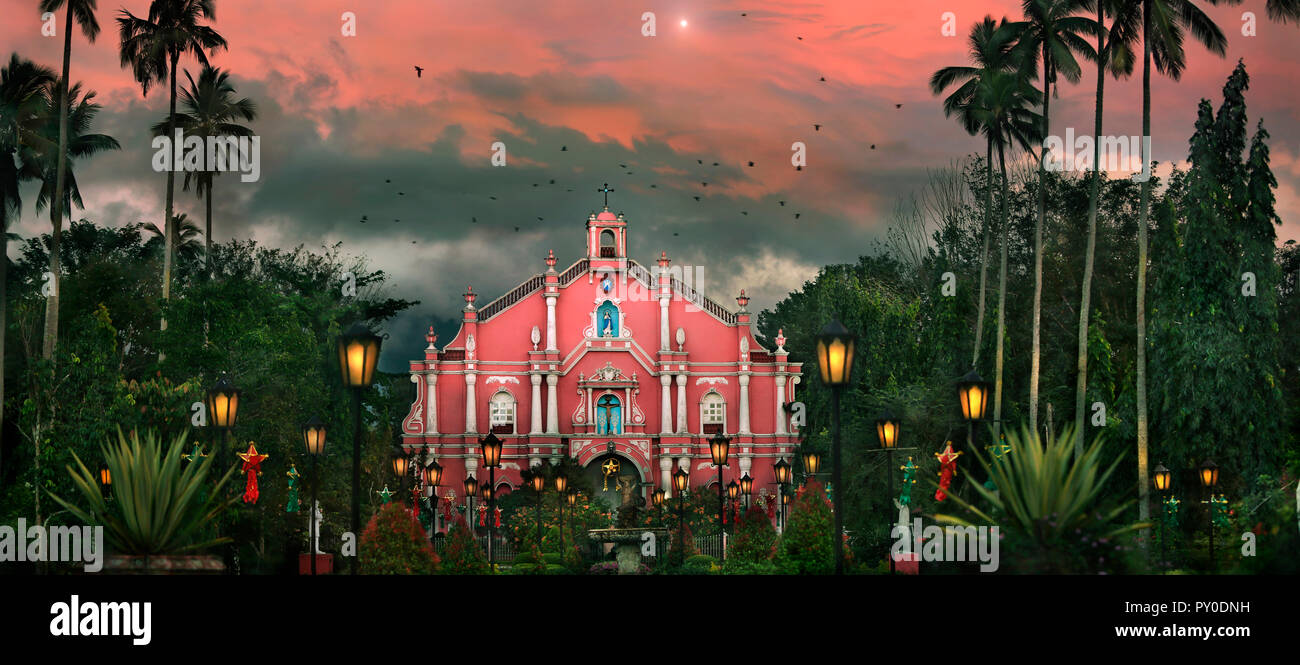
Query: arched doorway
[[607, 473]]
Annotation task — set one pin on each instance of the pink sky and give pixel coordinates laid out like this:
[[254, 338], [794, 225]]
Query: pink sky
[[736, 88]]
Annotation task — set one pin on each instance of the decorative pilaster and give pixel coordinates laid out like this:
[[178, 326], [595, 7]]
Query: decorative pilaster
[[471, 411], [744, 404], [666, 400], [535, 410], [681, 403], [552, 406], [431, 403], [780, 404]]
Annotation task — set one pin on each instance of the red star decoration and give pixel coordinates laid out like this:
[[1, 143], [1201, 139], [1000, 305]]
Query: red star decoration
[[253, 466]]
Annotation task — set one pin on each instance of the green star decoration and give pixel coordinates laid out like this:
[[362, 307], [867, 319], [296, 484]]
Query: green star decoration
[[909, 479], [195, 455], [386, 494]]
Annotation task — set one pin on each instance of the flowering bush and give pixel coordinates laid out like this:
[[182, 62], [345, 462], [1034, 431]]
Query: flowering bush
[[394, 544], [611, 568]]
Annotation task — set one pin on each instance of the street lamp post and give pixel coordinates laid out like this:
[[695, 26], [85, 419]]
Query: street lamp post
[[781, 470], [491, 459], [835, 360], [747, 489], [223, 410], [572, 499], [887, 427], [105, 480], [719, 446], [812, 463], [538, 483], [313, 437], [561, 487], [1161, 478], [471, 490], [401, 464], [433, 480], [1209, 472], [681, 480], [358, 351], [973, 396]]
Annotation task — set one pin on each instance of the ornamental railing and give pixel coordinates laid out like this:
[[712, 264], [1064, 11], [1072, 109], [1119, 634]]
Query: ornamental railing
[[519, 293], [576, 270]]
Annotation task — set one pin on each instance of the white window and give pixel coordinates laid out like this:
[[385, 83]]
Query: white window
[[713, 414], [502, 410]]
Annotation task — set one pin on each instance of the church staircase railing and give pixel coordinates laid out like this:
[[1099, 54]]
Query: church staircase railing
[[576, 270], [518, 293], [695, 297]]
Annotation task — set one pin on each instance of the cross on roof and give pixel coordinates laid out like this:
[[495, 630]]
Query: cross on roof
[[606, 189]]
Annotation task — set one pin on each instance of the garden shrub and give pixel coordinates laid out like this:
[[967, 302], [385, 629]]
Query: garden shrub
[[754, 540], [700, 564], [462, 555], [804, 548], [393, 543]]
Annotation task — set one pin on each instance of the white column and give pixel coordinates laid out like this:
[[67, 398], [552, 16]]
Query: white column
[[780, 404], [552, 406], [471, 413], [431, 403], [744, 404], [666, 474], [627, 408], [666, 400], [681, 403], [550, 324], [536, 409], [663, 324]]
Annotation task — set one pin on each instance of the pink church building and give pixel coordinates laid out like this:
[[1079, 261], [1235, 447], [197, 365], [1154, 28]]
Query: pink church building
[[604, 360]]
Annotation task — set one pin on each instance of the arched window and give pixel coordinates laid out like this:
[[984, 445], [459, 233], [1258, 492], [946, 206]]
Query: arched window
[[713, 414], [607, 249], [501, 410], [609, 415]]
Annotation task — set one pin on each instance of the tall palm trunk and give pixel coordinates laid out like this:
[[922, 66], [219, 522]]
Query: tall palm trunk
[[51, 335], [984, 254], [1085, 305], [1002, 303], [1038, 250], [1144, 510], [169, 232], [207, 225]]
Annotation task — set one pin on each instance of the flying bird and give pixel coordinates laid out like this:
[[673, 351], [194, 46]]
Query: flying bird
[[798, 38], [701, 161], [798, 168], [898, 106], [564, 148], [654, 186], [388, 181], [751, 164], [782, 203], [401, 193], [552, 181], [539, 219], [705, 184], [817, 128], [697, 198], [418, 71], [516, 229], [743, 212], [823, 79], [473, 220], [715, 163], [493, 198], [796, 215], [873, 146]]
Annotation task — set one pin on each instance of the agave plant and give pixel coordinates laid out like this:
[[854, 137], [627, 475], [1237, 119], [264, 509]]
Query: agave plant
[[159, 506], [1044, 490]]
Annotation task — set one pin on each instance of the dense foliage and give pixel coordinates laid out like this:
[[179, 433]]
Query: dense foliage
[[805, 546]]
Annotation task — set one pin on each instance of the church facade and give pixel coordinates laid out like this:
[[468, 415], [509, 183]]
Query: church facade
[[622, 367]]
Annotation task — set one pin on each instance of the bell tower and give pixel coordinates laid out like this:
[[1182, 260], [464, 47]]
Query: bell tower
[[606, 232]]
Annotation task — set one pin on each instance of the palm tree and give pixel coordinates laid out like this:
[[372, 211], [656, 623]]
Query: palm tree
[[991, 49], [188, 246], [152, 48], [1003, 107], [210, 111], [84, 13], [23, 85], [1053, 35], [1114, 55], [1163, 25], [71, 130]]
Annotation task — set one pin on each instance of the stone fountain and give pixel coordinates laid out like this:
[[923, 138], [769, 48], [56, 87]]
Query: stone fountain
[[627, 537]]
